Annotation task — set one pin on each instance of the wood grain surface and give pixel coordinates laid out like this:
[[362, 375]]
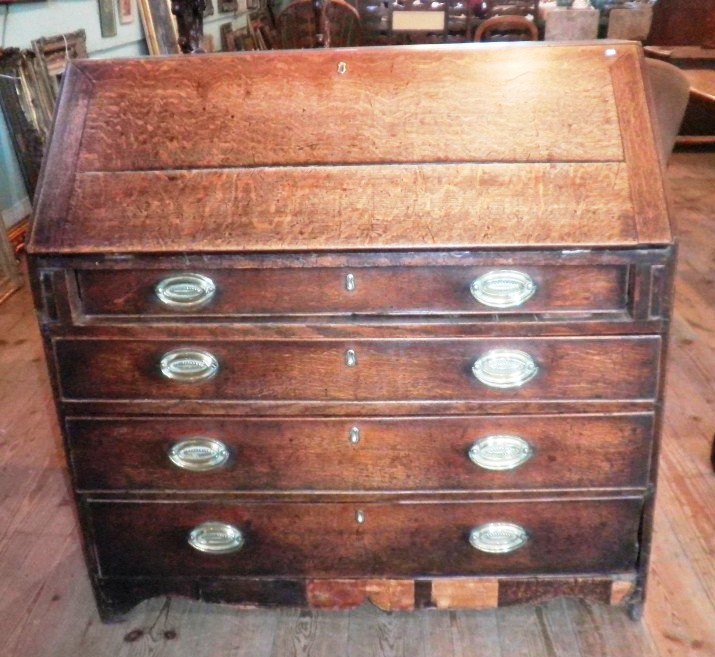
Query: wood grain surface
[[325, 539], [394, 290], [584, 368], [350, 207], [393, 105], [391, 455], [639, 143], [48, 608], [411, 148]]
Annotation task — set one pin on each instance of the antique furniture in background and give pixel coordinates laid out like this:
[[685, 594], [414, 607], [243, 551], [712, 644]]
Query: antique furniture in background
[[318, 24], [507, 28], [698, 66], [344, 353], [568, 23], [683, 23], [671, 90], [630, 22]]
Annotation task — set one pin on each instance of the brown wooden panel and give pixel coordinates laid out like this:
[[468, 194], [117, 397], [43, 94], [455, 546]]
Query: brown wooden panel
[[390, 370], [465, 593], [639, 144], [350, 207], [385, 594], [683, 22], [392, 454], [392, 105], [377, 290], [522, 591], [59, 167], [117, 595], [324, 539]]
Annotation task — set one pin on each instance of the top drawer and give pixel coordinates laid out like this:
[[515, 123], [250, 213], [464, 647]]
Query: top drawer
[[371, 290]]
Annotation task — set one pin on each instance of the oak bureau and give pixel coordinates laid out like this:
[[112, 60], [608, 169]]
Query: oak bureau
[[381, 324]]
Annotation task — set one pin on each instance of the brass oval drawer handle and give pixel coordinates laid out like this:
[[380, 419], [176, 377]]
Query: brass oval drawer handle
[[199, 454], [185, 291], [503, 288], [505, 368], [500, 452], [216, 538], [188, 365], [498, 537]]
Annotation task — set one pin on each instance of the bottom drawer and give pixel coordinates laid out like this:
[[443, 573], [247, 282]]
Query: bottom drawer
[[352, 539]]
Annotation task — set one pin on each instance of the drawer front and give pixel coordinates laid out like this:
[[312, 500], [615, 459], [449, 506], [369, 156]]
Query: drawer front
[[359, 454], [346, 539], [609, 368], [344, 290]]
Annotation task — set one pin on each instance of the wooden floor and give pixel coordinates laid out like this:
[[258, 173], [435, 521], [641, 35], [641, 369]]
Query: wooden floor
[[46, 607]]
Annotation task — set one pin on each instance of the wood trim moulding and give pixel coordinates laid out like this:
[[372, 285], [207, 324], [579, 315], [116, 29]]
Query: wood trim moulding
[[17, 234]]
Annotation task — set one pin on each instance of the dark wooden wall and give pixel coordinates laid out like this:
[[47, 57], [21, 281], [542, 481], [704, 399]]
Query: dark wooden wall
[[683, 23]]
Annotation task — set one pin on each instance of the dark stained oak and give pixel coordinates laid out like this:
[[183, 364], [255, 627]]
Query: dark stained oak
[[375, 291], [607, 368], [144, 538], [418, 454]]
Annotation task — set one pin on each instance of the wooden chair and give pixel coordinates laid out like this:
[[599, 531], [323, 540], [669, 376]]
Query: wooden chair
[[671, 90], [318, 24], [507, 28]]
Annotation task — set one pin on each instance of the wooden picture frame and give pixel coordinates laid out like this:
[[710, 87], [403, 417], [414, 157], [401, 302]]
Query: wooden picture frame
[[260, 32], [125, 9], [52, 54], [10, 279], [244, 39], [162, 37], [27, 114], [107, 18], [228, 37], [29, 85]]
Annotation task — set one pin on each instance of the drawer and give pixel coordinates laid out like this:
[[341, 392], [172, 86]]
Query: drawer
[[347, 539], [360, 454], [608, 368], [345, 290]]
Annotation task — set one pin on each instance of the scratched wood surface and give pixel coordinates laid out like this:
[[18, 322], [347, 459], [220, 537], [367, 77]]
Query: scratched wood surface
[[47, 609], [415, 105], [350, 207], [478, 145]]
